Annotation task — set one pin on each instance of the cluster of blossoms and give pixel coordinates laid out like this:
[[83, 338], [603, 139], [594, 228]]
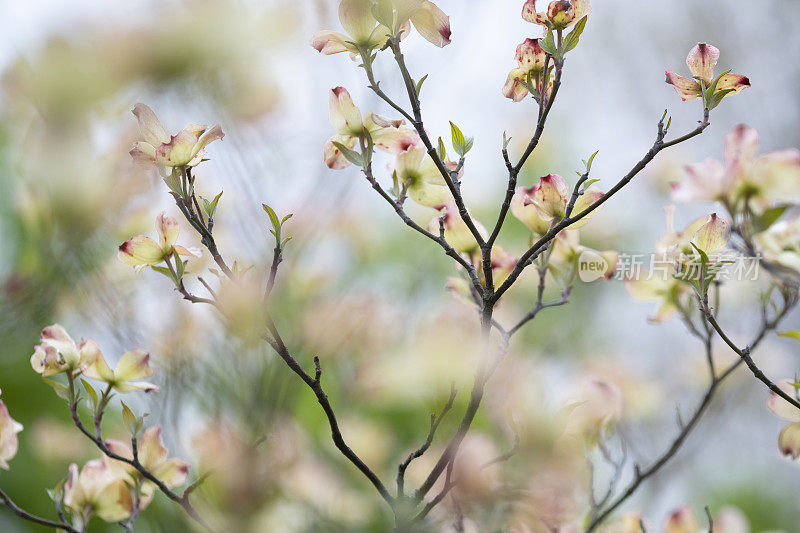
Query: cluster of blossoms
[[57, 353], [107, 488], [709, 234], [111, 489]]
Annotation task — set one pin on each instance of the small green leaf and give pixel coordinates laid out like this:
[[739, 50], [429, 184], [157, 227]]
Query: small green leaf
[[549, 44], [211, 207], [351, 155], [572, 39], [766, 219], [180, 266], [590, 161], [273, 217], [419, 84], [506, 141], [91, 393], [173, 181], [163, 270], [441, 150], [589, 182], [791, 334], [129, 419], [461, 144], [61, 390]]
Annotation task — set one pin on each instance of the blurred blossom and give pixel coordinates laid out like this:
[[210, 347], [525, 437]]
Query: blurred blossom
[[780, 244], [456, 232], [682, 520], [477, 481], [789, 438], [154, 457], [9, 442], [593, 410], [57, 441], [743, 180], [98, 489]]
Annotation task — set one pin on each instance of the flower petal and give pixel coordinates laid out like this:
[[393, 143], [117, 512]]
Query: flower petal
[[357, 20], [687, 89], [9, 443], [178, 151], [214, 134], [741, 145], [707, 183], [140, 250], [781, 407], [513, 87], [344, 115], [789, 440], [168, 230], [133, 365], [701, 61], [334, 158], [330, 42], [172, 472], [733, 82], [152, 452], [149, 126], [526, 212], [432, 23], [713, 236], [530, 56]]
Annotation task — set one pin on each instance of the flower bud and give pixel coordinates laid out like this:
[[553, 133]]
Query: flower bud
[[531, 56], [561, 13], [456, 231]]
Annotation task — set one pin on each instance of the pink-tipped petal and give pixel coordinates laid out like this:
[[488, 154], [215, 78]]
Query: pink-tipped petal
[[687, 89], [150, 127], [701, 61], [432, 23]]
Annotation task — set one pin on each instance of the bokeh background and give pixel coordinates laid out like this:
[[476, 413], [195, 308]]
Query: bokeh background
[[357, 288]]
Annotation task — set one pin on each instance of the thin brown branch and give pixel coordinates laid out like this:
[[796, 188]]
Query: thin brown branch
[[419, 452], [30, 517]]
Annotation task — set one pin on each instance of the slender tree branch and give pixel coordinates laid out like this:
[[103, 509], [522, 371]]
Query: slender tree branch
[[539, 246], [419, 452], [30, 517]]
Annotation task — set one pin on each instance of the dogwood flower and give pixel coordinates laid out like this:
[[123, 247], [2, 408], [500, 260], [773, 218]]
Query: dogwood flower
[[780, 244], [701, 62], [132, 366], [743, 179], [154, 457], [549, 199], [142, 251], [98, 490], [351, 128], [682, 520], [595, 408], [530, 59], [560, 14], [58, 353], [9, 443], [456, 231], [789, 439], [415, 170], [365, 33], [184, 149]]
